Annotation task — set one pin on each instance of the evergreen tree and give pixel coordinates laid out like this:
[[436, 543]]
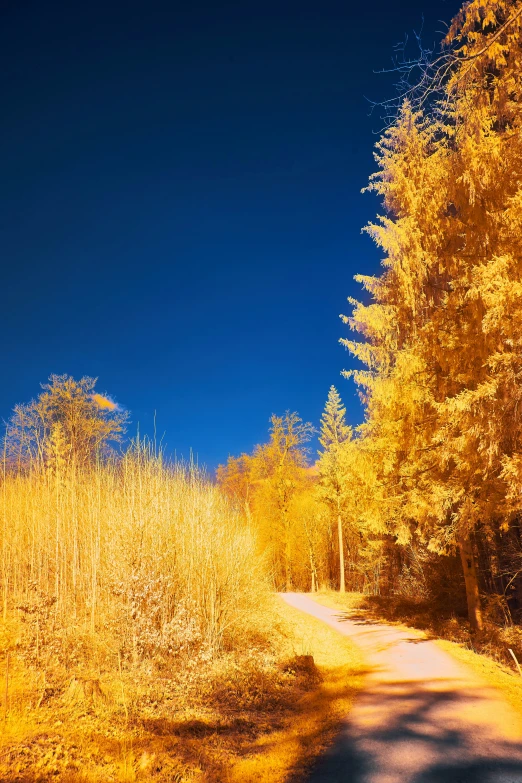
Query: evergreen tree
[[332, 482], [334, 429], [442, 337]]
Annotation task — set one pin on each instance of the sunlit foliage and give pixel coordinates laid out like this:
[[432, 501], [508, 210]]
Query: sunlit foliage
[[70, 415], [442, 337], [267, 483]]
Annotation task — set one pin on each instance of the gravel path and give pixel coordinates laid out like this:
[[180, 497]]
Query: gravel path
[[422, 717]]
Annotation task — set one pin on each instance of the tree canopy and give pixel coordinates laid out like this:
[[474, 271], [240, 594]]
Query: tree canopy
[[86, 423]]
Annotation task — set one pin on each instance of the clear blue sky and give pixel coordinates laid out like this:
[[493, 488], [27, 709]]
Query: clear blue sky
[[180, 202]]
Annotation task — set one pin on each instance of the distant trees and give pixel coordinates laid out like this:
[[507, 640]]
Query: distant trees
[[268, 481], [68, 421], [280, 466], [236, 478]]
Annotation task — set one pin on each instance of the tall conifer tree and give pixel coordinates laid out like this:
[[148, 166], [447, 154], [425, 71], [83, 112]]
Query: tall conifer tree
[[442, 339], [334, 433]]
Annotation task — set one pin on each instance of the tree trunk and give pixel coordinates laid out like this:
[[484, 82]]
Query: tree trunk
[[467, 558], [313, 572], [341, 554], [288, 570], [287, 553]]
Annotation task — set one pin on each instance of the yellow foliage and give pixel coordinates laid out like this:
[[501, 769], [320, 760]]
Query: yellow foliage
[[103, 402], [266, 483], [442, 338]]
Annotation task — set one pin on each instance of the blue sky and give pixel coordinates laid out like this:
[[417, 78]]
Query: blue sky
[[180, 207]]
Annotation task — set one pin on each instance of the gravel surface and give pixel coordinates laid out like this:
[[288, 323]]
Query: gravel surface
[[422, 717]]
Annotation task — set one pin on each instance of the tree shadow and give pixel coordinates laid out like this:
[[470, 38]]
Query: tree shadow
[[496, 771], [400, 732], [372, 622], [164, 727]]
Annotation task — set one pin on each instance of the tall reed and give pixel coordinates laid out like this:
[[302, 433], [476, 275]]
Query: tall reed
[[142, 551]]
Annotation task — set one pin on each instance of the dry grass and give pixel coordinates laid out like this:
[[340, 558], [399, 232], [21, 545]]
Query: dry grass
[[139, 640], [493, 672], [315, 719], [145, 554], [257, 715]]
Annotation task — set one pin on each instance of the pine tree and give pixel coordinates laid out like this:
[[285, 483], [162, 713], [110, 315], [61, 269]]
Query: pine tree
[[334, 429], [442, 338], [334, 433]]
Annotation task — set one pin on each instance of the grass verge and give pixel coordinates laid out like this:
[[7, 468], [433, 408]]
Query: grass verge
[[494, 673], [257, 715], [318, 715]]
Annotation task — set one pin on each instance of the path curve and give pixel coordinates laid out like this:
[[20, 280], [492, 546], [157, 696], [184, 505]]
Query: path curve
[[422, 717]]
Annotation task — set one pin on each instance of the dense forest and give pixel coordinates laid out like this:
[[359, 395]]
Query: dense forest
[[116, 560]]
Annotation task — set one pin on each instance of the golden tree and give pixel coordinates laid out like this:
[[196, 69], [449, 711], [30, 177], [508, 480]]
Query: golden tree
[[279, 466], [236, 480], [332, 486], [442, 337], [267, 482], [87, 422]]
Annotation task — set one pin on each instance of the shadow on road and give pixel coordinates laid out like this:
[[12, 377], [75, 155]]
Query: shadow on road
[[404, 734], [422, 718]]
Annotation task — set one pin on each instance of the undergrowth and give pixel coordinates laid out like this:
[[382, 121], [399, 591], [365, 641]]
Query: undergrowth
[[260, 713]]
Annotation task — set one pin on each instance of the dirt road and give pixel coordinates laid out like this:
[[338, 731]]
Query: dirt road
[[422, 717]]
